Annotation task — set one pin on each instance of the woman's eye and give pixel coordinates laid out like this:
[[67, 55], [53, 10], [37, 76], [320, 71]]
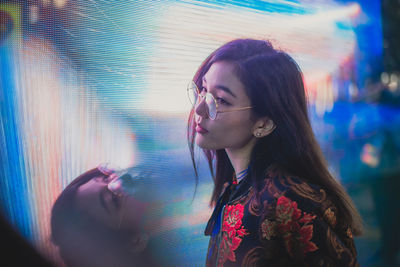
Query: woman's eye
[[100, 179], [105, 178], [221, 101]]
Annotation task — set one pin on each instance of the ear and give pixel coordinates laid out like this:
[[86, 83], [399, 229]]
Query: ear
[[263, 127]]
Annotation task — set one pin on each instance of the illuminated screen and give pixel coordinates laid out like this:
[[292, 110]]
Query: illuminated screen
[[87, 82]]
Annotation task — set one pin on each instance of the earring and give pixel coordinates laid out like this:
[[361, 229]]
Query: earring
[[258, 134]]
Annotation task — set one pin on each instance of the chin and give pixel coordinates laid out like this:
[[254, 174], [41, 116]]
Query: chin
[[205, 144], [201, 142]]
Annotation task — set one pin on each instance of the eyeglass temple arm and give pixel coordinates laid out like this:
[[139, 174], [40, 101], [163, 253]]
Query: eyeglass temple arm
[[235, 109]]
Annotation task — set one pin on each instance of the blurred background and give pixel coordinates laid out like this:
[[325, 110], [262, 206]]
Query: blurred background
[[85, 82]]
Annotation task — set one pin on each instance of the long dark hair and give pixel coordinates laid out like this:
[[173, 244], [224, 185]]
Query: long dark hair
[[274, 84]]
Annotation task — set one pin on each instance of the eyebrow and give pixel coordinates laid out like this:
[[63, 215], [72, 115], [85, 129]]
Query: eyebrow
[[103, 201], [221, 87]]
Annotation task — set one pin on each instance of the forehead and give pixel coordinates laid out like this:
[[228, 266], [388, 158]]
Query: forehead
[[91, 199], [88, 196], [220, 69], [93, 186], [223, 73]]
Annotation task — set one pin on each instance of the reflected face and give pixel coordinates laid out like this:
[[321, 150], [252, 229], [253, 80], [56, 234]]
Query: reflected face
[[117, 212], [230, 130]]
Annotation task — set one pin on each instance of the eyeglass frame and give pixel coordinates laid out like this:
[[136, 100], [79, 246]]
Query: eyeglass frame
[[190, 88]]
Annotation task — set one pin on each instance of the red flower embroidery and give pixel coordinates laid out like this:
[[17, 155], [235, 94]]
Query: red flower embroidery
[[295, 227], [232, 233]]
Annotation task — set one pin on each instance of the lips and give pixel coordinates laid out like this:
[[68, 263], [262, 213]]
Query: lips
[[200, 129]]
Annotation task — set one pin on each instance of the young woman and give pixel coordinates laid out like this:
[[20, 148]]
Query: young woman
[[276, 204], [96, 222]]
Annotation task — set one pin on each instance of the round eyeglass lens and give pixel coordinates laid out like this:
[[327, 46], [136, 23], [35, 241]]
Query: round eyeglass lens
[[212, 108], [192, 92], [123, 185]]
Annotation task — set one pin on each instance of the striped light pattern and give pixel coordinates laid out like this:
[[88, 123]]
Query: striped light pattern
[[307, 37], [63, 131]]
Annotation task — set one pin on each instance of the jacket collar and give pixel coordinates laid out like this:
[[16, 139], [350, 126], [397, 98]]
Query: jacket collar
[[231, 192]]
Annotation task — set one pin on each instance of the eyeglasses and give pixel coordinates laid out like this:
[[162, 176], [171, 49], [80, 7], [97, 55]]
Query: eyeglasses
[[128, 183], [195, 97]]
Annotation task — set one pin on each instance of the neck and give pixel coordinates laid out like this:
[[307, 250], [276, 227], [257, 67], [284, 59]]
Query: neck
[[240, 158]]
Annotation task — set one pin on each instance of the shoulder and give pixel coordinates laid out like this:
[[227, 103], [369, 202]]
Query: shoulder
[[280, 188], [303, 216]]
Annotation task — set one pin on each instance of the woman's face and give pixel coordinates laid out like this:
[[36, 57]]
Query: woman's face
[[230, 130], [117, 212]]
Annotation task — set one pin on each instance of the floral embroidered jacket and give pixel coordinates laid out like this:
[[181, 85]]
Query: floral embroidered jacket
[[288, 223]]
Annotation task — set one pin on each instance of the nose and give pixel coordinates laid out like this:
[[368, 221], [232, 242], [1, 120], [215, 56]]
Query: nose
[[201, 107]]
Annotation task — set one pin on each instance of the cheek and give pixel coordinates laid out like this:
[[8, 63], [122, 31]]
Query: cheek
[[235, 124], [237, 134], [100, 215], [134, 212], [234, 131]]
